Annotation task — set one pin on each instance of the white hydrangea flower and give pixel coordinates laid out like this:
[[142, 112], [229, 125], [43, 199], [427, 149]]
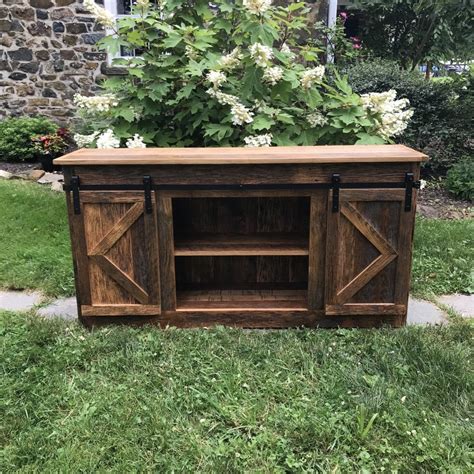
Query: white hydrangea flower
[[393, 115], [136, 142], [216, 78], [312, 76], [84, 140], [316, 119], [108, 140], [257, 7], [231, 60], [102, 15], [222, 98], [261, 54], [273, 74], [190, 52], [240, 113], [285, 49], [98, 103], [254, 141]]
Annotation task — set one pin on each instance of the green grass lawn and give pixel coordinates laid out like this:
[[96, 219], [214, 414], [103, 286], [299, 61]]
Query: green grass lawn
[[224, 400], [35, 250], [121, 399]]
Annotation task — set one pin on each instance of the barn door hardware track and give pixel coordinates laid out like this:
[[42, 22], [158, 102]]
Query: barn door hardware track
[[147, 187]]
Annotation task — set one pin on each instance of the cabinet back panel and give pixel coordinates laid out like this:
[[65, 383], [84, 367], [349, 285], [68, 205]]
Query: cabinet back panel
[[241, 272], [241, 215]]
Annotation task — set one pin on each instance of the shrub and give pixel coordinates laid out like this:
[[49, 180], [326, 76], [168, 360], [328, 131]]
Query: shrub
[[226, 73], [442, 123], [460, 179], [16, 137]]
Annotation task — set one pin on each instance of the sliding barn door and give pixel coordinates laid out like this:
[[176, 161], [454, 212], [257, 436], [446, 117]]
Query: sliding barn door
[[368, 254], [116, 255]]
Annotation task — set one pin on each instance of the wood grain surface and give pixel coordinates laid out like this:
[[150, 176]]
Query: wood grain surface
[[236, 155]]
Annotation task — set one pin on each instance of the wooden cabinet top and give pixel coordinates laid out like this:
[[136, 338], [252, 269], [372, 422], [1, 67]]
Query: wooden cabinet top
[[234, 155]]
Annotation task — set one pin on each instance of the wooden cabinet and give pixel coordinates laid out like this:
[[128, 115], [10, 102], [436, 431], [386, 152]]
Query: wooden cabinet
[[280, 237]]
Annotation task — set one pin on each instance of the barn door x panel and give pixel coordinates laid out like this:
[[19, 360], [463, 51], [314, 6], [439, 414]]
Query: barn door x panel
[[119, 256], [368, 253]]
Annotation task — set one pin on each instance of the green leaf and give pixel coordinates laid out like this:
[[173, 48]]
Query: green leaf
[[251, 81], [366, 139], [136, 72], [285, 118], [172, 40], [296, 6], [262, 122], [128, 114], [217, 130]]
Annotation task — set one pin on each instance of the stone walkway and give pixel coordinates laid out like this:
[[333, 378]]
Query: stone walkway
[[419, 311]]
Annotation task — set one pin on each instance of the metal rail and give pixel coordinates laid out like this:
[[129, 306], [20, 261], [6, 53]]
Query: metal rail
[[147, 187]]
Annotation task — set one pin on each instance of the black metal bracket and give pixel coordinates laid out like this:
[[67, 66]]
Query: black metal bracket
[[76, 201], [336, 184], [410, 183], [147, 188]]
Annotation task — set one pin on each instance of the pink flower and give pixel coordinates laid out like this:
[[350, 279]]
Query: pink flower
[[343, 15], [356, 46]]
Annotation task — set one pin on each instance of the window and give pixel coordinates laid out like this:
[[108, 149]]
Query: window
[[119, 9]]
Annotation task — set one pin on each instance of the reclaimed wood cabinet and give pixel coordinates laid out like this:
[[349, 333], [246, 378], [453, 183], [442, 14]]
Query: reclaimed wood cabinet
[[262, 237]]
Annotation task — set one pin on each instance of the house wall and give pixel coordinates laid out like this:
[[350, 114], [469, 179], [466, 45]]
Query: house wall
[[47, 54]]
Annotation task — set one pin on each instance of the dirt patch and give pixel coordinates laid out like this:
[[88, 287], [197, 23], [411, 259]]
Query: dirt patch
[[437, 203], [19, 168]]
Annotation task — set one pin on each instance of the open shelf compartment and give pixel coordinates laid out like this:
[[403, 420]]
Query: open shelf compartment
[[245, 282], [248, 253]]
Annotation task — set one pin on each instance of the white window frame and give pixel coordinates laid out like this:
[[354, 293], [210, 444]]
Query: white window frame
[[111, 7]]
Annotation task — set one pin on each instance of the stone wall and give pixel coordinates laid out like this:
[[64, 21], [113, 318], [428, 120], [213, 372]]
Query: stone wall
[[47, 55]]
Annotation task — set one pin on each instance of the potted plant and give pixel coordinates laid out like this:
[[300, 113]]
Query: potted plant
[[51, 146]]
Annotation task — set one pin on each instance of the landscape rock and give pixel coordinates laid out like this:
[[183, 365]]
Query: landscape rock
[[5, 175], [56, 186], [35, 175], [49, 178]]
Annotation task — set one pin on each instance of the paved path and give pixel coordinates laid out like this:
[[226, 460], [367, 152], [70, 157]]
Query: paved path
[[18, 300], [462, 304], [424, 312], [419, 311], [65, 308]]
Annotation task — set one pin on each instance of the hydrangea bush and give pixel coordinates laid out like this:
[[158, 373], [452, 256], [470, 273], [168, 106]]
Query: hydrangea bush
[[228, 73]]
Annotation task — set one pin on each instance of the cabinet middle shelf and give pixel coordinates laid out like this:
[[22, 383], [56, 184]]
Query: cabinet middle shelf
[[241, 244]]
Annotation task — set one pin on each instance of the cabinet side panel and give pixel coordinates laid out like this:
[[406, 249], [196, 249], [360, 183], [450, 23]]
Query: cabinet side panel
[[317, 250], [79, 254], [166, 245]]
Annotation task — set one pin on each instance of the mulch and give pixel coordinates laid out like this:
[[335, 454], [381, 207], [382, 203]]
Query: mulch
[[19, 168], [437, 203]]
